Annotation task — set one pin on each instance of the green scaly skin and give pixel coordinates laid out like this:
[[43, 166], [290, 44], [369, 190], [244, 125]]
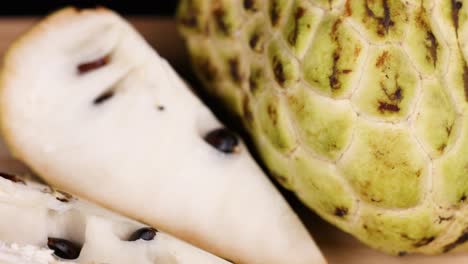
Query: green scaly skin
[[359, 107]]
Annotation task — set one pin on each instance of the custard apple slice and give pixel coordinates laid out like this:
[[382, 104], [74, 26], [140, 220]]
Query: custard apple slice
[[90, 107], [357, 106], [26, 254], [42, 224]]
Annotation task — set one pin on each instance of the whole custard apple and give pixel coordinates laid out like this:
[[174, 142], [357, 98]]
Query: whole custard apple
[[359, 107]]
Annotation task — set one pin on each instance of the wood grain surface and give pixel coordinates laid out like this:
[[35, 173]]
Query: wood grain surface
[[337, 246]]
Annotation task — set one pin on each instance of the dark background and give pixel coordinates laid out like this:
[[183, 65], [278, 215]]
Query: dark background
[[42, 7]]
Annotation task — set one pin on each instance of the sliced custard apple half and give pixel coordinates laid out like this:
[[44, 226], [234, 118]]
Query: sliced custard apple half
[[91, 108], [357, 106], [43, 224]]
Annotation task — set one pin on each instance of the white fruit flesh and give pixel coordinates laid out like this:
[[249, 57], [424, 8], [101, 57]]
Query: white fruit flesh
[[128, 154], [31, 213], [28, 254]]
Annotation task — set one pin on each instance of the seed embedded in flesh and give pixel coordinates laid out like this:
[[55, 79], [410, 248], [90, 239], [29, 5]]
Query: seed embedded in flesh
[[92, 65], [12, 178], [103, 97], [145, 233], [223, 140], [63, 248]]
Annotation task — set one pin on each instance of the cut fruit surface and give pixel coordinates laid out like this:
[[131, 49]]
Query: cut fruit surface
[[42, 225]]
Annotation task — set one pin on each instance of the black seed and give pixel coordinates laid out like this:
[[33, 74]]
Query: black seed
[[92, 65], [12, 178], [223, 140], [145, 233], [103, 97], [63, 196], [161, 107], [64, 248]]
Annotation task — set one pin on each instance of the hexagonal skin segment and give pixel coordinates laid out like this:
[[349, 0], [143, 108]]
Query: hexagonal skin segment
[[204, 61], [259, 78], [278, 10], [388, 87], [256, 33], [284, 67], [400, 232], [234, 65], [451, 170], [424, 43], [301, 25], [227, 16], [273, 118], [379, 21], [279, 165], [333, 62], [385, 165], [318, 184], [435, 119], [325, 125], [192, 15]]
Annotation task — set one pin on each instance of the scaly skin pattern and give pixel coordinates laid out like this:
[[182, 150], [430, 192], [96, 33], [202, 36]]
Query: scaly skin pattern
[[359, 107]]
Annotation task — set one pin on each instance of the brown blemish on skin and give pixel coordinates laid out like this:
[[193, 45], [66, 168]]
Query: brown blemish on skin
[[456, 6], [274, 12], [272, 113], [460, 240], [253, 41], [190, 18], [386, 107], [254, 79], [247, 112], [382, 59], [384, 22], [333, 78], [348, 10], [465, 79], [300, 11], [93, 65], [278, 71], [341, 211], [462, 198], [249, 5], [402, 253], [442, 219], [424, 241], [219, 15], [12, 178], [207, 69], [431, 45], [234, 70]]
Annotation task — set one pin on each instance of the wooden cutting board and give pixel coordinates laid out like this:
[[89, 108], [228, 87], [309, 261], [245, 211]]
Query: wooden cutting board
[[338, 247]]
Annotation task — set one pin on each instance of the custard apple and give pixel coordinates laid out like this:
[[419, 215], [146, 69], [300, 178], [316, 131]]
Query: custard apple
[[90, 107], [358, 106], [43, 225]]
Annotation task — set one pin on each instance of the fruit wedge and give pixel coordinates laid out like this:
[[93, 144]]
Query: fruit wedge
[[90, 107], [38, 221]]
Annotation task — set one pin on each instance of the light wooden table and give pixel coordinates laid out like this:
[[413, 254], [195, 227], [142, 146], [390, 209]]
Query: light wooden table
[[338, 247]]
